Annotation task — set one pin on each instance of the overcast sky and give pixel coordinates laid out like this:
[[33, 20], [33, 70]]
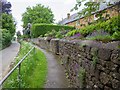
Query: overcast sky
[[60, 8]]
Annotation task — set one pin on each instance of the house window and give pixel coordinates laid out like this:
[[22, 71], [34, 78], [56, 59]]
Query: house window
[[77, 23]]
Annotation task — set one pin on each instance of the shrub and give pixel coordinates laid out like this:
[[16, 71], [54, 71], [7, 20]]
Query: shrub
[[71, 33], [82, 74], [41, 29], [56, 34], [116, 35], [109, 26], [6, 38], [105, 38]]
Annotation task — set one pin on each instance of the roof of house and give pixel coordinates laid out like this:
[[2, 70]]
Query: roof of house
[[71, 19], [75, 16]]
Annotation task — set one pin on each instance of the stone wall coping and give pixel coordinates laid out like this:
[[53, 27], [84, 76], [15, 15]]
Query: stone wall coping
[[98, 44]]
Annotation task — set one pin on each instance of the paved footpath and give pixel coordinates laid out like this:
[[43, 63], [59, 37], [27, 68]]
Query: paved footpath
[[7, 56], [56, 76]]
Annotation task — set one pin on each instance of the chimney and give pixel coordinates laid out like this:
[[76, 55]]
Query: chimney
[[68, 16]]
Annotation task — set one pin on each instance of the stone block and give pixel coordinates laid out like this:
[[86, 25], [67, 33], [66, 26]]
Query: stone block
[[110, 65], [87, 49], [104, 54], [115, 84], [100, 67], [99, 84], [119, 70], [97, 74], [102, 62], [115, 75], [89, 56], [105, 78], [90, 84], [107, 88], [115, 57]]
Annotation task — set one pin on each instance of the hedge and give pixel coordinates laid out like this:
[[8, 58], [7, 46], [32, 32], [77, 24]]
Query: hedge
[[41, 29], [5, 40]]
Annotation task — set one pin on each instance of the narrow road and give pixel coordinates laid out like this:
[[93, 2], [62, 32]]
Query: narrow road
[[56, 76], [7, 56]]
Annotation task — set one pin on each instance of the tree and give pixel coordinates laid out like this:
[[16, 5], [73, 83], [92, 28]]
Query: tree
[[8, 23], [5, 6], [37, 14], [90, 7]]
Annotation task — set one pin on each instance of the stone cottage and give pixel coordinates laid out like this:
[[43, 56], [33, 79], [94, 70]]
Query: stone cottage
[[79, 22]]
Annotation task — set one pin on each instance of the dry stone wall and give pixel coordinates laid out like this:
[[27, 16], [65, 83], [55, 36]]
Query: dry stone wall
[[88, 64]]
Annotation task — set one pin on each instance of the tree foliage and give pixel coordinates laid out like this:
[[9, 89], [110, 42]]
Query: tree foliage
[[5, 39], [37, 14], [5, 7], [8, 23], [90, 7]]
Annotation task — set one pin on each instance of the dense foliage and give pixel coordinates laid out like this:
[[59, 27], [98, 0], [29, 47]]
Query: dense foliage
[[41, 29], [111, 26], [37, 14], [5, 39], [56, 34], [91, 7], [33, 69], [8, 23], [8, 29]]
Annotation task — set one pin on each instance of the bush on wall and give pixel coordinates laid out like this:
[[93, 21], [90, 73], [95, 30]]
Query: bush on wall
[[111, 26], [41, 29]]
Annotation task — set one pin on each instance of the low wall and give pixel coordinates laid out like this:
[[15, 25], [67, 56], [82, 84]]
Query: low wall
[[88, 64]]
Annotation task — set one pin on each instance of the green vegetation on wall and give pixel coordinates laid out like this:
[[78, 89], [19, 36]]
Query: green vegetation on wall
[[111, 26], [94, 54], [41, 29], [81, 76]]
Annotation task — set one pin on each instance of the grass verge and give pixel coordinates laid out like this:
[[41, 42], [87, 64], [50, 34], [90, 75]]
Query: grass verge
[[33, 69]]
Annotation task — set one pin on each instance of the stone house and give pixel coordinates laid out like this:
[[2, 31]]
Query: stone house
[[79, 22]]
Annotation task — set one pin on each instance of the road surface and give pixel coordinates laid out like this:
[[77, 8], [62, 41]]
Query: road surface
[[7, 56]]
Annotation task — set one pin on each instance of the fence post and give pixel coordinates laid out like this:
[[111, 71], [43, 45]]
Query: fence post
[[19, 76]]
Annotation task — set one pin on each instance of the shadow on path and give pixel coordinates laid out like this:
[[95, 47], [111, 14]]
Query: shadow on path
[[56, 76]]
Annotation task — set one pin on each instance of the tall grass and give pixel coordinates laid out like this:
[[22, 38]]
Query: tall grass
[[33, 69]]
